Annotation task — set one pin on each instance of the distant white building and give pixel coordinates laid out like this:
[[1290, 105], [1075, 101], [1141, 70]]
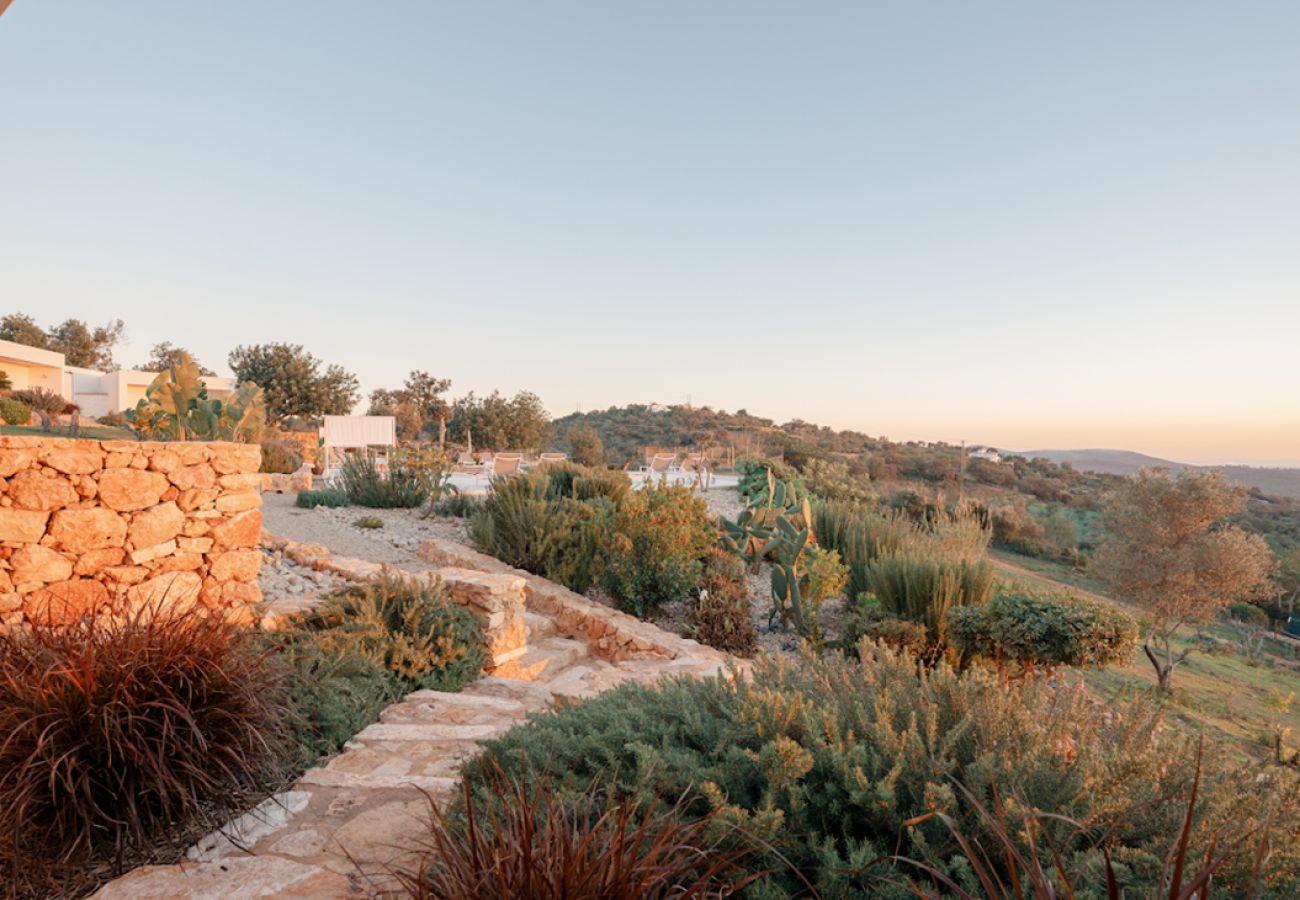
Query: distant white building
[[95, 392], [986, 453]]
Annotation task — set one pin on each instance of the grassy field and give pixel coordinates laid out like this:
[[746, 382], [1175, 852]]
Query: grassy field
[[1220, 692], [94, 432]]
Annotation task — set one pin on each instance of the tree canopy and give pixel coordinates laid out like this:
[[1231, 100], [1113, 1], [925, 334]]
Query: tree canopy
[[294, 382], [81, 344], [515, 423], [166, 356], [1169, 550]]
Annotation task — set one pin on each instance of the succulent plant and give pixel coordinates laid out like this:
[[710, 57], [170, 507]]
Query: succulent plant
[[176, 407]]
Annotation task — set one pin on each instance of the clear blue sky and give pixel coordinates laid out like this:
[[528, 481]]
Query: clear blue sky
[[1028, 224]]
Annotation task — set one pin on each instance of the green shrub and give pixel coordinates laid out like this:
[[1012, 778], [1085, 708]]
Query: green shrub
[[922, 588], [585, 445], [113, 419], [1248, 614], [722, 616], [411, 628], [336, 693], [566, 479], [280, 458], [831, 480], [826, 758], [827, 575], [1042, 631], [403, 486], [861, 536], [657, 538], [368, 522], [331, 497], [14, 412], [532, 522], [459, 506]]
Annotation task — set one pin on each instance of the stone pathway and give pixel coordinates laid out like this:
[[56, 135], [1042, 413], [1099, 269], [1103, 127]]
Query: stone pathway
[[345, 826]]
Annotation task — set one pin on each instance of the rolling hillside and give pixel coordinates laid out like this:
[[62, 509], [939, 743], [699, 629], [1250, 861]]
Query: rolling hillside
[[1276, 481]]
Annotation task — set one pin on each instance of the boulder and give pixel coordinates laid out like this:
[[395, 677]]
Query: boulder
[[242, 530], [74, 457], [31, 489], [66, 601], [14, 459], [93, 561], [236, 565]]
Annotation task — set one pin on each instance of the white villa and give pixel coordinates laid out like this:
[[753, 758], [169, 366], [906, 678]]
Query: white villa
[[987, 453], [95, 392]]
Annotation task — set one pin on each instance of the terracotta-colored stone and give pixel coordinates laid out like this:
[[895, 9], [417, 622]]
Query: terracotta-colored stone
[[92, 561], [197, 476], [180, 562], [80, 530], [126, 574], [153, 526], [231, 503], [229, 459], [242, 530], [193, 453], [66, 601], [236, 565], [117, 460], [164, 460], [194, 544], [32, 490], [196, 527], [175, 589], [247, 481], [237, 592], [14, 459], [74, 457], [22, 526], [197, 498], [131, 489], [37, 563], [157, 551]]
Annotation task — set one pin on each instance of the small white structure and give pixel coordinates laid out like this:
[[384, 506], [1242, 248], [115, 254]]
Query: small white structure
[[95, 392], [342, 435], [986, 453]]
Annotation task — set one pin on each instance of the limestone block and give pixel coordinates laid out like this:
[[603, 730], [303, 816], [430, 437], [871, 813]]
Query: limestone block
[[32, 490], [165, 461], [230, 459], [93, 561], [37, 563], [176, 590], [65, 601], [236, 565], [191, 477], [240, 531], [131, 489], [81, 530], [157, 551], [15, 459], [73, 457], [156, 525], [232, 503], [22, 526]]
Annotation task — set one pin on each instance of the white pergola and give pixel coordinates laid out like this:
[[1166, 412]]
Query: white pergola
[[343, 434]]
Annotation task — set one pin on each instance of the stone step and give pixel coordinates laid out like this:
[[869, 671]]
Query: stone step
[[430, 731], [531, 695], [539, 626], [551, 655], [432, 784]]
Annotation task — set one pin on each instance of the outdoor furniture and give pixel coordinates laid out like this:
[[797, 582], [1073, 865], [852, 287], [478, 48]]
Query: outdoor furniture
[[505, 463], [546, 459], [661, 465]]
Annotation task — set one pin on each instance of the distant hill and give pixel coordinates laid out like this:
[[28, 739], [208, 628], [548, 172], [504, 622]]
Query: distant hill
[[1277, 482]]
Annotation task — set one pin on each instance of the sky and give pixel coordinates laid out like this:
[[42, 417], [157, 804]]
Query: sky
[[1023, 224]]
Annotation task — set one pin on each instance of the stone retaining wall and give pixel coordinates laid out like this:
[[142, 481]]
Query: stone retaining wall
[[87, 525]]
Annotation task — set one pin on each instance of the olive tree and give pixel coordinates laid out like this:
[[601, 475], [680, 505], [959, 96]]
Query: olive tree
[[1169, 549]]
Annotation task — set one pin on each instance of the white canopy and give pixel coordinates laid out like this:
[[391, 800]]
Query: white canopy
[[352, 432]]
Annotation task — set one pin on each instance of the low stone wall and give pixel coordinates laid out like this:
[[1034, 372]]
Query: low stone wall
[[612, 635], [88, 525], [496, 601]]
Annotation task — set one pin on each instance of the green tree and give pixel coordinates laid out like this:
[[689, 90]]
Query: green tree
[[585, 446], [1169, 550], [22, 329], [515, 423], [295, 382], [415, 405], [1061, 530], [165, 356], [80, 344]]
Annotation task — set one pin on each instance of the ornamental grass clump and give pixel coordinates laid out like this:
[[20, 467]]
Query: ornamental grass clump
[[115, 732], [411, 628], [515, 837], [403, 485]]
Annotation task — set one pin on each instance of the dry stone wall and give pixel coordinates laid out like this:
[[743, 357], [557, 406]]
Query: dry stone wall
[[92, 525]]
